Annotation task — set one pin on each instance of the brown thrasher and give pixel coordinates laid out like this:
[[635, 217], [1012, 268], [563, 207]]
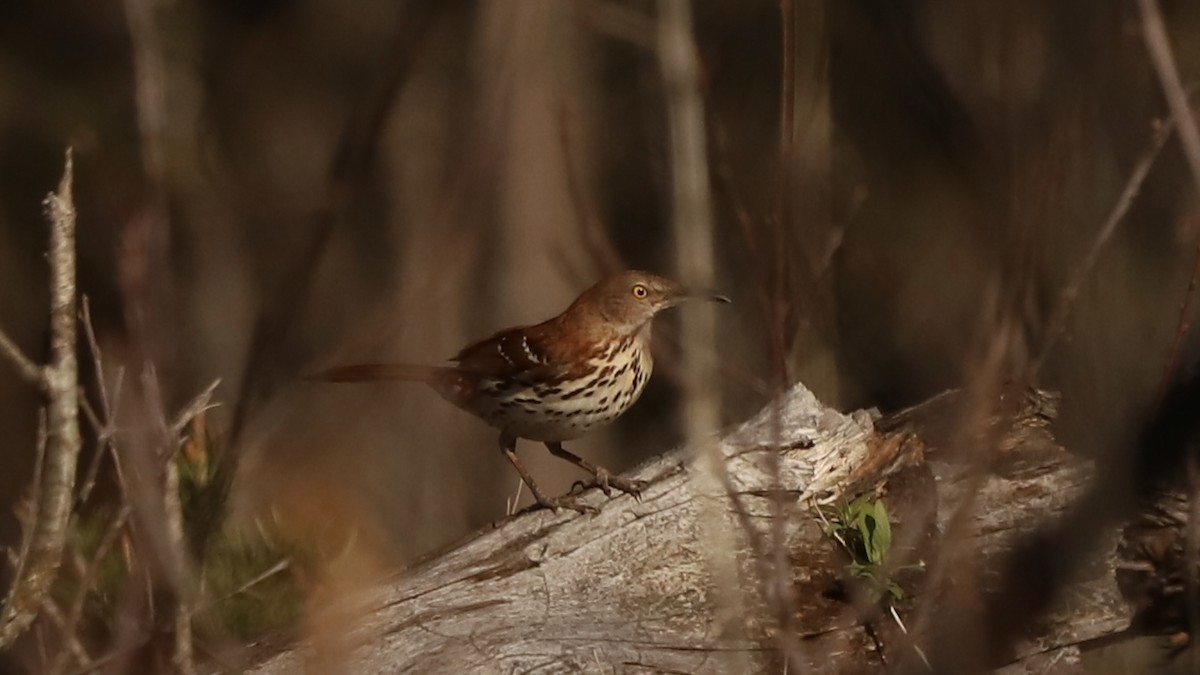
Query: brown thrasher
[[556, 380]]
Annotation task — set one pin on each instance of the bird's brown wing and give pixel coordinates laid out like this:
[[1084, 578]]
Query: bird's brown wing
[[518, 353]]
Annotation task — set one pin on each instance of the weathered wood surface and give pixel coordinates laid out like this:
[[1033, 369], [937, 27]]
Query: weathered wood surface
[[631, 590]]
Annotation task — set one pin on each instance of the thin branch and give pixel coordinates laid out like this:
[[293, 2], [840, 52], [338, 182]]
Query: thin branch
[[28, 513], [26, 368], [597, 240], [74, 648], [351, 165], [198, 405], [32, 584], [98, 663], [614, 20], [1056, 326], [1158, 46], [271, 571], [93, 469], [1181, 325], [692, 225], [103, 424], [183, 658], [89, 331], [779, 583], [88, 573]]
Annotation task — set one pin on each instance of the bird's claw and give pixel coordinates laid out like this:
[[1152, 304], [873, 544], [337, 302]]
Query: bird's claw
[[556, 503], [606, 481]]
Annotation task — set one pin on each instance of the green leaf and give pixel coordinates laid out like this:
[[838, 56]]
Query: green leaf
[[866, 527], [859, 506], [882, 541]]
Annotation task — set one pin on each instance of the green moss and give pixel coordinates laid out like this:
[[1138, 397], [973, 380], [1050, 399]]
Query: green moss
[[249, 588]]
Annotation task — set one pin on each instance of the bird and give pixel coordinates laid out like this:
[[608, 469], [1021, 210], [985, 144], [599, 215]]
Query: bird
[[557, 380]]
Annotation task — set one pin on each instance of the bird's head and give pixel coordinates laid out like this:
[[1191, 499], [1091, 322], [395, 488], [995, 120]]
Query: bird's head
[[629, 300]]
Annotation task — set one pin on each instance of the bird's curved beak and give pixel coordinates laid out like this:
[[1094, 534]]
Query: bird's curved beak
[[705, 294]]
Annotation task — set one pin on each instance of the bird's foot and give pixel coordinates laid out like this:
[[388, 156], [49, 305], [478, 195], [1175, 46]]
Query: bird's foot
[[556, 503], [606, 481]]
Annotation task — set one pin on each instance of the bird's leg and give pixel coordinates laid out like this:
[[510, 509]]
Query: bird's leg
[[604, 478], [508, 445]]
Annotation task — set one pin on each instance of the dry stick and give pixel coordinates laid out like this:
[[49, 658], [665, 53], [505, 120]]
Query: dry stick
[[26, 368], [1159, 48], [351, 164], [26, 519], [103, 429], [984, 383], [97, 663], [89, 332], [176, 539], [779, 595], [693, 235], [1056, 326], [1181, 326], [619, 22], [39, 569], [283, 564], [184, 658], [74, 647], [597, 240], [110, 402], [153, 75], [176, 543], [195, 407], [88, 573]]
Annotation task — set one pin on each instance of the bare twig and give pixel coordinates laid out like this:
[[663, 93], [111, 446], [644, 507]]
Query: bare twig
[[105, 429], [596, 238], [27, 513], [779, 582], [198, 405], [26, 368], [1181, 327], [1058, 321], [89, 332], [97, 663], [1159, 48], [351, 165], [693, 234], [620, 22], [93, 469], [183, 657], [904, 630], [66, 628], [271, 571], [32, 584], [88, 573], [510, 506], [160, 445]]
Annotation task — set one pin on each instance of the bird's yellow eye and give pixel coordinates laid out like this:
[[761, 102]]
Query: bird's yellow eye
[[640, 291]]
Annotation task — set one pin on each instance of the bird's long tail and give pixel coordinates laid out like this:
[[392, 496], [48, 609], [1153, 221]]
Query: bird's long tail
[[368, 372], [447, 382]]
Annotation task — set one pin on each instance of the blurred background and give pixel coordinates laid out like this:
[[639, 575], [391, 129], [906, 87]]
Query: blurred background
[[270, 187]]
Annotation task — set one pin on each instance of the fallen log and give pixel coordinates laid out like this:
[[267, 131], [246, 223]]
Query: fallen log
[[632, 589]]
